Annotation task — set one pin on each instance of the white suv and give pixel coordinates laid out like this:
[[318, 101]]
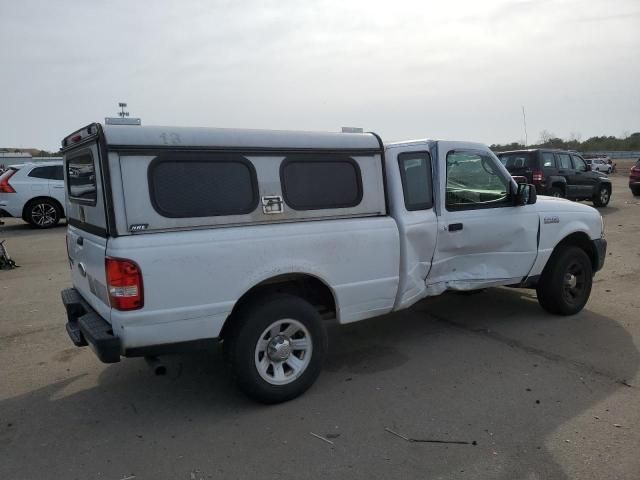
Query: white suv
[[599, 165], [33, 192]]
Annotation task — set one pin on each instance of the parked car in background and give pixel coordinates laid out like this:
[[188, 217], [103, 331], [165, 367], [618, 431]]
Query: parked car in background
[[33, 192], [634, 179], [599, 165], [559, 173]]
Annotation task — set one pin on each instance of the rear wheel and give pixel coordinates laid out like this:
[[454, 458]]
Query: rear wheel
[[42, 213], [636, 191], [601, 199], [565, 284], [276, 348]]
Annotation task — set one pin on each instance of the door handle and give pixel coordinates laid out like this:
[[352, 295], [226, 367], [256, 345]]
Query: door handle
[[80, 241], [454, 227]]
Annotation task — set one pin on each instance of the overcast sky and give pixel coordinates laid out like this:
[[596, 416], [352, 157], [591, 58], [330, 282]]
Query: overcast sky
[[405, 69]]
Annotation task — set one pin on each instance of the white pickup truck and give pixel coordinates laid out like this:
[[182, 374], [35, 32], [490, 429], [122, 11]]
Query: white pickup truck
[[182, 236]]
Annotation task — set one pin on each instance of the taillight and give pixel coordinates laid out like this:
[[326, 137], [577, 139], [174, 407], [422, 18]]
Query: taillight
[[4, 181], [124, 282], [538, 176]]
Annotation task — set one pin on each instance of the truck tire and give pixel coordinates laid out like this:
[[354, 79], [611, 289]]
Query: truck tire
[[42, 213], [565, 284], [276, 348], [601, 199], [636, 191], [556, 192]]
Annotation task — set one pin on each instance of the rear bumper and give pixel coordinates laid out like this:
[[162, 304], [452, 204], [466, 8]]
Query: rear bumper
[[7, 210], [601, 252], [86, 327]]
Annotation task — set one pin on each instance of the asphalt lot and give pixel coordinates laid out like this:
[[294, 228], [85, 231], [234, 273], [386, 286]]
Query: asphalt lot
[[543, 397]]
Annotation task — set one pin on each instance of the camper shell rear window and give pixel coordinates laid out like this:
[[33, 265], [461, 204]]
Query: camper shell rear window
[[187, 185], [81, 178]]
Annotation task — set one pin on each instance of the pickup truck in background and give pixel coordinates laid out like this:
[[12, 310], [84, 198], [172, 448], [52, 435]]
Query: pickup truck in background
[[179, 237]]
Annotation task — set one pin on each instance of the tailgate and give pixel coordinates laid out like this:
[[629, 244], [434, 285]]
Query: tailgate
[[87, 231]]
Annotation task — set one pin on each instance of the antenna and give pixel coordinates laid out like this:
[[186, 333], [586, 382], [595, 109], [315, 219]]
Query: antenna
[[524, 122], [122, 113], [123, 117]]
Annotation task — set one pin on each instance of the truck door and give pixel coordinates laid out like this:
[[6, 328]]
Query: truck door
[[87, 226], [483, 239], [411, 189]]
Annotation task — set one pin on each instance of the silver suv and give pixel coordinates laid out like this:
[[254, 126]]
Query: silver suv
[[33, 192]]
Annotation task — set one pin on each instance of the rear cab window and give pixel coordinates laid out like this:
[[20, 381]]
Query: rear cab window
[[415, 174]]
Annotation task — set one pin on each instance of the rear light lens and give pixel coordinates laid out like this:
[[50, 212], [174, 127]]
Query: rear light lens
[[124, 281], [4, 181], [538, 176]]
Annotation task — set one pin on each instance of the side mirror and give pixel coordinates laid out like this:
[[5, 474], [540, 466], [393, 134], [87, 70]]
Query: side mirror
[[525, 195]]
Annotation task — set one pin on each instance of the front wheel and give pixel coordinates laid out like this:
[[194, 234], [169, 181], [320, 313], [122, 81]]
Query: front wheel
[[277, 348], [601, 199], [565, 284]]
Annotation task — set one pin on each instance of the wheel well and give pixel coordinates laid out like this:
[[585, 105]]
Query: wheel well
[[35, 199], [307, 287], [582, 241], [561, 185]]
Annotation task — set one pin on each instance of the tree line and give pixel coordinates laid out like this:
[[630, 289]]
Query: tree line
[[630, 142]]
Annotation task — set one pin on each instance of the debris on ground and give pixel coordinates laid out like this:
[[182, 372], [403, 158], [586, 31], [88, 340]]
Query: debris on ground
[[321, 438], [6, 262], [425, 440]]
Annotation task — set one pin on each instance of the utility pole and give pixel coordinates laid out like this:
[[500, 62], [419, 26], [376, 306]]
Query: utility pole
[[524, 122]]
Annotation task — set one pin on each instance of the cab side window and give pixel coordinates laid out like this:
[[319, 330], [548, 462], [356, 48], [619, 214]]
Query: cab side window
[[475, 181], [415, 172], [579, 164]]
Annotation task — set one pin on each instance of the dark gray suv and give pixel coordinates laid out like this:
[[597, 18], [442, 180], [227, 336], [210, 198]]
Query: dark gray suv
[[559, 173]]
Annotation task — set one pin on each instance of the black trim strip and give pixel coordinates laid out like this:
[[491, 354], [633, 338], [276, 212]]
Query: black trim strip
[[87, 227], [158, 149], [171, 348], [384, 171], [105, 175]]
